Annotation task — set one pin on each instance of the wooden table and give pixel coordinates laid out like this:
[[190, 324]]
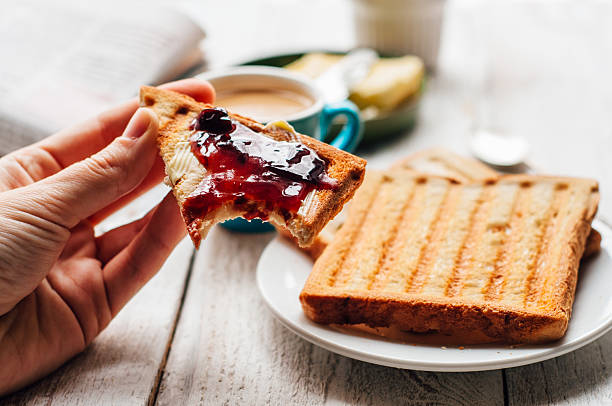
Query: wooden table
[[200, 333]]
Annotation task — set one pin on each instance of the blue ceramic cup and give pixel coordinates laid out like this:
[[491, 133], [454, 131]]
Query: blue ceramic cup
[[314, 120]]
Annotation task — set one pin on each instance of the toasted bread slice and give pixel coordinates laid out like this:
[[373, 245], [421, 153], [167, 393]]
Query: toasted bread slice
[[442, 162], [490, 261], [177, 111]]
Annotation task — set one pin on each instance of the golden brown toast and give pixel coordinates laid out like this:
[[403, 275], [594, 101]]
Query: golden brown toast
[[176, 112], [490, 261], [435, 161], [442, 162]]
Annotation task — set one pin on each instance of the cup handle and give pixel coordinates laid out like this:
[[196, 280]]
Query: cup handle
[[349, 137]]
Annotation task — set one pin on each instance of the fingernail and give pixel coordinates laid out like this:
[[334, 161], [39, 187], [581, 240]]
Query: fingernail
[[139, 123]]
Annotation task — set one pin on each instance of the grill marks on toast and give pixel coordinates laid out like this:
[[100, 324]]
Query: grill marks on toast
[[491, 242], [548, 282], [538, 267], [452, 241], [392, 236], [486, 252], [489, 261], [384, 211], [509, 243], [397, 268], [535, 203], [364, 199], [413, 242], [434, 239], [464, 257], [438, 162]]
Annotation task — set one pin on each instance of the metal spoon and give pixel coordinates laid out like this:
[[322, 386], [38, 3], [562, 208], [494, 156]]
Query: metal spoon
[[499, 150]]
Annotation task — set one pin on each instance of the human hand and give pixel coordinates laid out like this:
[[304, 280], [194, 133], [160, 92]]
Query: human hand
[[59, 284]]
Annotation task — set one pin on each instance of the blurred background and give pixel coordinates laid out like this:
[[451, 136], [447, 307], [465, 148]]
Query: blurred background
[[534, 70]]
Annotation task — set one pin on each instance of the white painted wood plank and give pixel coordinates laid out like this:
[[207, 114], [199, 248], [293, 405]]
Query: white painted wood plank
[[229, 349], [578, 378]]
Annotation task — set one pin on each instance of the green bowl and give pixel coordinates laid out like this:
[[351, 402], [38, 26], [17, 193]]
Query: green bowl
[[399, 120]]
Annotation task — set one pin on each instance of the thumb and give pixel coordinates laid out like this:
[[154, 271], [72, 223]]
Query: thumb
[[88, 186]]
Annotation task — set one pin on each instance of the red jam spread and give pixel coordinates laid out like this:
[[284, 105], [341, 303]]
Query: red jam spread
[[255, 172]]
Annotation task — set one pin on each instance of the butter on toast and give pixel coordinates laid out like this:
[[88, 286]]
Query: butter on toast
[[490, 261], [441, 162], [176, 112]]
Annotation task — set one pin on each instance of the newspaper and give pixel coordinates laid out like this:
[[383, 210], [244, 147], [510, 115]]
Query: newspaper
[[62, 63]]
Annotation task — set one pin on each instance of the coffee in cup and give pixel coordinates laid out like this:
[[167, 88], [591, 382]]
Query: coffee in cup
[[265, 104]]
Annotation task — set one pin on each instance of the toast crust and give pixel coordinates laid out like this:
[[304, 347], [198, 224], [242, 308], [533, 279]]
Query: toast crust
[[345, 285], [176, 111]]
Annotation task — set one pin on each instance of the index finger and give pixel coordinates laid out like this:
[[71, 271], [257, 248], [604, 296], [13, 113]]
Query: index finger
[[84, 139]]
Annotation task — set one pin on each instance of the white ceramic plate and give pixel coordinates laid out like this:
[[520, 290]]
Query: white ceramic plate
[[282, 271]]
